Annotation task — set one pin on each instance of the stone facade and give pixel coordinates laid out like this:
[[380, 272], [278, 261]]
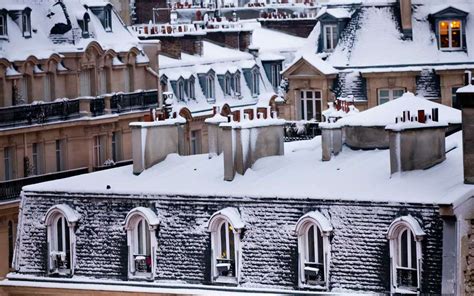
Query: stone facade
[[359, 246], [469, 271]]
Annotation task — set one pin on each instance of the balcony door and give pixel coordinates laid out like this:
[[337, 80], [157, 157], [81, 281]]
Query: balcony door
[[310, 105]]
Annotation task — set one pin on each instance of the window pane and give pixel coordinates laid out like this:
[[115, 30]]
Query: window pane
[[231, 256], [223, 253], [59, 232], [303, 115], [455, 34], [398, 93], [443, 34], [309, 94], [309, 111], [147, 239], [318, 115], [317, 94], [311, 244], [10, 241], [404, 249], [328, 37], [140, 237], [320, 246], [334, 37]]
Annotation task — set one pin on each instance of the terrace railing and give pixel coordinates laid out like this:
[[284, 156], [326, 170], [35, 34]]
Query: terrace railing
[[301, 130], [124, 102]]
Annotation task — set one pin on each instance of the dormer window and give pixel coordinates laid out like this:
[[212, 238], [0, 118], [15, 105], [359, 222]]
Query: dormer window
[[3, 25], [236, 82], [330, 37], [255, 82], [190, 88], [227, 84], [450, 36], [180, 90], [26, 23], [104, 13], [108, 20], [210, 87], [449, 26]]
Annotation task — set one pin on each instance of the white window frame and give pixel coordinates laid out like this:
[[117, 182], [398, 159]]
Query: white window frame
[[227, 84], [108, 19], [303, 106], [229, 216], [26, 25], [236, 78], [391, 94], [275, 75], [450, 34], [190, 88], [210, 87], [333, 32], [317, 221], [396, 229], [3, 26], [132, 220], [180, 90], [70, 218]]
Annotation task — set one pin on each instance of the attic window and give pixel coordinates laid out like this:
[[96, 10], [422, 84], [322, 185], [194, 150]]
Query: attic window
[[108, 19], [180, 89], [210, 87], [236, 83], [104, 13], [225, 227], [450, 34], [190, 88], [227, 84], [405, 235], [330, 37], [255, 87], [3, 26], [26, 24], [313, 231], [141, 224]]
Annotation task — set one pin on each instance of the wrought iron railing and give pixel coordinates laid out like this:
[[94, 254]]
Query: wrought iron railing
[[38, 113], [301, 130], [124, 102], [97, 106], [11, 189]]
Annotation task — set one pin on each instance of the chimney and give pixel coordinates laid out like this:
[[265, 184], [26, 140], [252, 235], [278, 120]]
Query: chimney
[[247, 141], [406, 18], [153, 141], [214, 133], [416, 143], [465, 95], [192, 43], [331, 139], [171, 46]]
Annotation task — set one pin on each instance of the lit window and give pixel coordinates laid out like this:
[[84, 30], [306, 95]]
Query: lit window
[[225, 227], [313, 231], [450, 34], [141, 224], [3, 26], [60, 221], [330, 37], [405, 235], [389, 94], [310, 105]]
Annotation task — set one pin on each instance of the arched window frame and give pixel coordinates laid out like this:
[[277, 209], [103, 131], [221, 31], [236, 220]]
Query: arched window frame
[[229, 216], [255, 81], [71, 218], [308, 220], [395, 230], [180, 89], [236, 83], [227, 84], [210, 93], [131, 226]]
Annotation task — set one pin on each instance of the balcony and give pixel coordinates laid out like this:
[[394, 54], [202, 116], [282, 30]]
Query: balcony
[[63, 110], [301, 130], [10, 190]]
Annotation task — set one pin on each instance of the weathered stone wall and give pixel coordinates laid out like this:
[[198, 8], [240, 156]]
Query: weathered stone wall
[[469, 271], [360, 250]]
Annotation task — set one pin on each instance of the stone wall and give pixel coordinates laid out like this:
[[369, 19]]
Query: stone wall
[[360, 250], [469, 271]]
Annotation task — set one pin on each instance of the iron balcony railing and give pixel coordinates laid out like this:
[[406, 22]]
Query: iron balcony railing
[[11, 189], [124, 102]]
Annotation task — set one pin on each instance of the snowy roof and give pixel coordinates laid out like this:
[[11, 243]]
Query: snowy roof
[[70, 215], [385, 114], [147, 213], [338, 13], [42, 45], [300, 173], [232, 214], [358, 46], [315, 61], [316, 217]]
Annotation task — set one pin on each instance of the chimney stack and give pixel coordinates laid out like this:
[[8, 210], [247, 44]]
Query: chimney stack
[[466, 96], [406, 18]]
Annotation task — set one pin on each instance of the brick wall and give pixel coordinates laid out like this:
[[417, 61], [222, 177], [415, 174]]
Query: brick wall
[[360, 251], [144, 11], [171, 46], [238, 40], [296, 27], [191, 44]]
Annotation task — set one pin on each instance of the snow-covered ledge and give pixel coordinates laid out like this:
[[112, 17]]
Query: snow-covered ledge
[[215, 133], [153, 141], [331, 139], [246, 141]]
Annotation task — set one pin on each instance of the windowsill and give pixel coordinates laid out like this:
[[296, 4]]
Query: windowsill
[[320, 287], [3, 37], [226, 280], [61, 273], [452, 49], [141, 277], [406, 290]]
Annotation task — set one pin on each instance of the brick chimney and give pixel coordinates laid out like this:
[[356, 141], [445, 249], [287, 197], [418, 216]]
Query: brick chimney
[[406, 18], [171, 46], [247, 141], [416, 143], [153, 141], [237, 39], [466, 96]]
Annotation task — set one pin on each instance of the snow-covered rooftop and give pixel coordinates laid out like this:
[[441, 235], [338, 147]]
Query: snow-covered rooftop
[[300, 173], [44, 15]]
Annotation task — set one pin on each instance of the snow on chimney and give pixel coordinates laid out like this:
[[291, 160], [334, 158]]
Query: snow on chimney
[[466, 96], [153, 141], [246, 141], [214, 133], [406, 18], [417, 142]]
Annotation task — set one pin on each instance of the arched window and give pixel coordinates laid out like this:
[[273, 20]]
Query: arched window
[[225, 227], [141, 224], [314, 254], [405, 235], [60, 221]]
